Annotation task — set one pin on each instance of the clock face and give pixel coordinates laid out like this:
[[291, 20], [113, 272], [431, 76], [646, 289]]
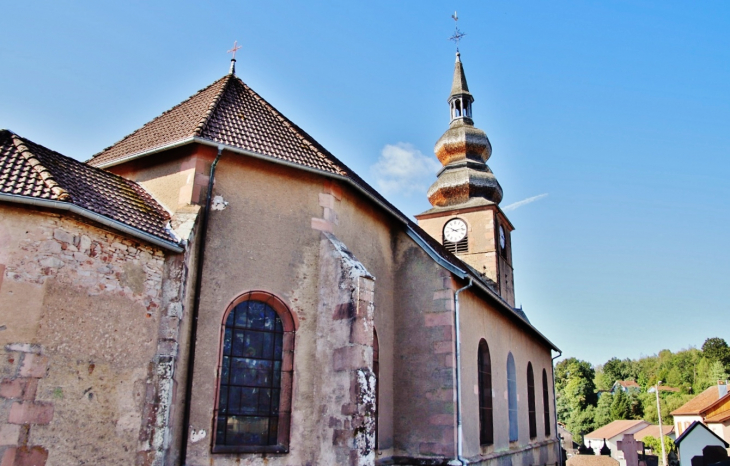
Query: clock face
[[455, 230], [502, 238]]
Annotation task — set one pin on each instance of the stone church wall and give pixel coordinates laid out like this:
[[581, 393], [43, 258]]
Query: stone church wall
[[88, 338]]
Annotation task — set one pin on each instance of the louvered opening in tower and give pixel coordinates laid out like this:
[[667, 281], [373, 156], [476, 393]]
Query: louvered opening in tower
[[458, 247]]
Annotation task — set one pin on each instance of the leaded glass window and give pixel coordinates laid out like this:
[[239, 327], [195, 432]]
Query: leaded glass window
[[531, 400], [486, 427], [250, 376], [545, 403]]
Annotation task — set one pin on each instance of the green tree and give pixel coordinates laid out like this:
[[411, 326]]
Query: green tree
[[581, 422], [615, 369], [575, 387], [716, 349], [620, 406], [653, 444], [603, 410], [717, 371]]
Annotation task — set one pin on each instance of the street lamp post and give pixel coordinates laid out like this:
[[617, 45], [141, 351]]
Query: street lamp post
[[661, 431]]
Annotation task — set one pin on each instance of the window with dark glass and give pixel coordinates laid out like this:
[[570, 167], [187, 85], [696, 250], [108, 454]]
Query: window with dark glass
[[484, 364], [250, 376], [531, 400], [546, 402], [512, 398]]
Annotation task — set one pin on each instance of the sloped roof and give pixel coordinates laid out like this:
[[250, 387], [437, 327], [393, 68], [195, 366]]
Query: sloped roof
[[699, 403], [628, 384], [653, 431], [29, 170], [719, 417], [614, 428], [697, 424], [231, 113]]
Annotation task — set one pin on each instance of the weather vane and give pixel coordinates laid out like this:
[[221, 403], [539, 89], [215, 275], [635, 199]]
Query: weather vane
[[457, 33]]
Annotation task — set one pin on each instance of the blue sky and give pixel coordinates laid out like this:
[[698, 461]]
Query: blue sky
[[612, 116]]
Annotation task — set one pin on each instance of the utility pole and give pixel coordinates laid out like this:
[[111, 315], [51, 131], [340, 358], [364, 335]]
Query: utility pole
[[661, 431]]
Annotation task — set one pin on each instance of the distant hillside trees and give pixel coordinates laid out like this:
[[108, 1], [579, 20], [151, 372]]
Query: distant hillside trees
[[578, 385]]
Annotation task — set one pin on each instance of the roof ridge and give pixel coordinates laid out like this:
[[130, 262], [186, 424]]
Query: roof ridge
[[213, 105], [157, 118], [43, 173], [302, 135]]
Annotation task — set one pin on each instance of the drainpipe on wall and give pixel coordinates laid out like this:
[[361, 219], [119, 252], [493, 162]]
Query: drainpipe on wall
[[459, 460], [196, 312], [555, 411]]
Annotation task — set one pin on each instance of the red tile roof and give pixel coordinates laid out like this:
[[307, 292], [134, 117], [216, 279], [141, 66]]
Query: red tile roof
[[653, 431], [231, 113], [33, 171], [699, 403], [628, 384], [720, 417], [614, 428]]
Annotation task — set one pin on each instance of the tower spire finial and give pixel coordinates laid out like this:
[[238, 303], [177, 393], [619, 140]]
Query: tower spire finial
[[235, 48], [457, 33]]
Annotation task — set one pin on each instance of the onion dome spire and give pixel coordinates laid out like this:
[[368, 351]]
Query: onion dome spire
[[463, 150]]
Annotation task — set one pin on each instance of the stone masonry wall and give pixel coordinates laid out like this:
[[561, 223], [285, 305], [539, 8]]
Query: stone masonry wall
[[88, 323]]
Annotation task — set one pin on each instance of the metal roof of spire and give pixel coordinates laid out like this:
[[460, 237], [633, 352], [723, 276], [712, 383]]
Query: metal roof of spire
[[459, 86]]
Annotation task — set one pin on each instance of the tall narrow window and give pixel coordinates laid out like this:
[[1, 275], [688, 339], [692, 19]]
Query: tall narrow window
[[255, 370], [512, 398], [376, 372], [531, 400], [546, 403], [486, 426]]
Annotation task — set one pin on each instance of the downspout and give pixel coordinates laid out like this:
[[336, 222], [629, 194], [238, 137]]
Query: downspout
[[460, 429], [196, 311], [555, 410]]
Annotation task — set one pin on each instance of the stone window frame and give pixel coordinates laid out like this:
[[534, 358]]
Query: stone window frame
[[287, 375], [546, 402], [531, 405]]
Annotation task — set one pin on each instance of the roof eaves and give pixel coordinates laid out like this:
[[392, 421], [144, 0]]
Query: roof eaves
[[144, 153], [715, 403]]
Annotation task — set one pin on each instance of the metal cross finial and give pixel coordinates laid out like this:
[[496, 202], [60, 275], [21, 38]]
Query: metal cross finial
[[457, 33], [234, 49]]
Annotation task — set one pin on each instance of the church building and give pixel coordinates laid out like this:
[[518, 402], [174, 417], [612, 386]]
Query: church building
[[217, 288]]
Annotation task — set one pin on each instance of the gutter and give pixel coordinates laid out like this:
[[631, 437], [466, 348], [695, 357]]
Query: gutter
[[411, 233], [555, 410], [196, 312], [83, 212], [460, 428]]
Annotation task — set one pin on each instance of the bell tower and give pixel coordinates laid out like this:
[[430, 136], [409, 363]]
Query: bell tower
[[465, 216]]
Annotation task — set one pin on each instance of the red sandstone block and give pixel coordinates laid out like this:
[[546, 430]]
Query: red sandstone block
[[435, 319], [30, 456], [442, 294], [349, 357], [326, 200], [341, 438], [29, 412], [449, 360], [9, 457], [443, 347], [446, 305], [361, 332], [11, 388], [34, 365], [321, 224], [334, 189], [441, 419]]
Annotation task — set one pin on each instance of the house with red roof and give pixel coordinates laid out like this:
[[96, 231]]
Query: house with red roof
[[711, 408]]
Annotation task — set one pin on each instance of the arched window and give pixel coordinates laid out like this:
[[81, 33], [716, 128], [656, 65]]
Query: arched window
[[512, 398], [484, 364], [546, 402], [253, 407], [531, 400], [376, 372]]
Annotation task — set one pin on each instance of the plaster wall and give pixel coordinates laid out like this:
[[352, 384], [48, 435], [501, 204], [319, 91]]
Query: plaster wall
[[82, 309], [682, 422], [693, 444], [503, 335]]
